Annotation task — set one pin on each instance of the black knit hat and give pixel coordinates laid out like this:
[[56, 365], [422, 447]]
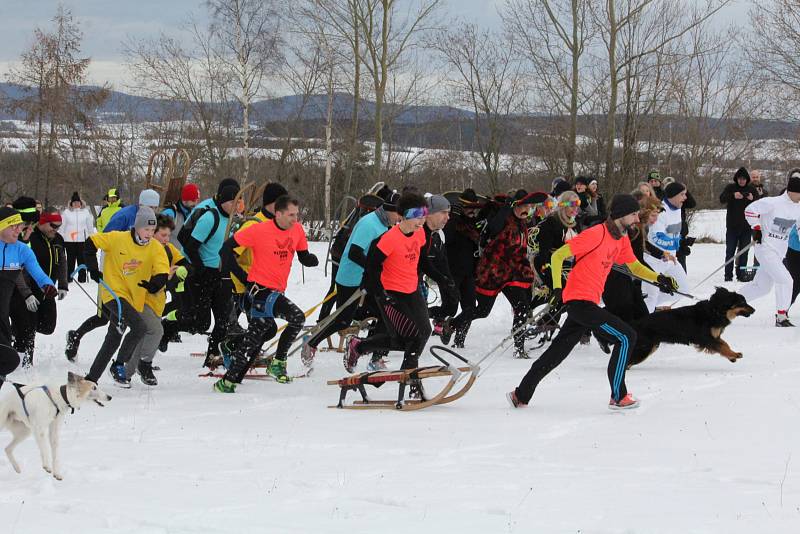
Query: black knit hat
[[675, 188], [560, 187], [794, 184], [582, 180], [741, 173], [225, 183], [229, 192], [272, 191], [26, 206], [622, 205], [75, 197], [390, 203]]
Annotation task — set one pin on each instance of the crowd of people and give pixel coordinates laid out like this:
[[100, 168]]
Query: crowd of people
[[594, 265]]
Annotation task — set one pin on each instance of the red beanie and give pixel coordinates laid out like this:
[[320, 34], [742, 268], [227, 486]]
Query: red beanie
[[49, 217], [190, 192]]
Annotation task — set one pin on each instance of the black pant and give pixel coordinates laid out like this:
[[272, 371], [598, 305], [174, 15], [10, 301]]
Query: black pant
[[262, 329], [518, 297], [138, 328], [25, 323], [210, 294], [792, 263], [326, 308], [449, 305], [736, 239], [623, 297], [343, 320], [582, 316], [75, 257], [407, 328]]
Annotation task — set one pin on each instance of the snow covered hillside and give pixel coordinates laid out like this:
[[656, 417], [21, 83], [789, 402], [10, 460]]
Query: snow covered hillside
[[715, 446]]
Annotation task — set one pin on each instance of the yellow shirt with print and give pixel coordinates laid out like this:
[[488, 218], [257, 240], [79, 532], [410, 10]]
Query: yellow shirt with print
[[245, 256], [127, 263], [158, 301]]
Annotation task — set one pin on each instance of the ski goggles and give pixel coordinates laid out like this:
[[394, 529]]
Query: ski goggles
[[416, 213], [575, 203]]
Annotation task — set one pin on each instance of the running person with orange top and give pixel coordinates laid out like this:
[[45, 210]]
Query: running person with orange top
[[273, 244], [595, 251], [393, 279]]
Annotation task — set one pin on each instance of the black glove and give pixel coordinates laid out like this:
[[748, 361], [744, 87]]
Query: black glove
[[49, 291], [666, 284], [555, 298], [684, 249], [308, 260], [689, 241], [757, 235], [150, 286], [94, 274]]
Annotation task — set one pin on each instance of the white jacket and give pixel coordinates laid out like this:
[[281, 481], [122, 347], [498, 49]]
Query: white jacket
[[76, 225], [666, 232], [774, 216]]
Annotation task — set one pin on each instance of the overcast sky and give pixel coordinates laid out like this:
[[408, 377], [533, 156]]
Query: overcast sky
[[106, 23]]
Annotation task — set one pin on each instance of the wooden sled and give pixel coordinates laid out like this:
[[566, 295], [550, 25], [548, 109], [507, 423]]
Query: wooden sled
[[405, 377], [349, 331]]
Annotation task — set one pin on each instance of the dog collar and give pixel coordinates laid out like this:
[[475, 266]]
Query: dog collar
[[63, 391]]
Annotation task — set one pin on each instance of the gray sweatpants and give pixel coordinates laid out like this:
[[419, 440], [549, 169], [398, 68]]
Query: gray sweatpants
[[146, 349]]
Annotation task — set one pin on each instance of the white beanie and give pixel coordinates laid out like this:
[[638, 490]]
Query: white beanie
[[149, 197]]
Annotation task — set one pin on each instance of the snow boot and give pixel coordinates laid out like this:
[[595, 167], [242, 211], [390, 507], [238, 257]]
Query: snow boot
[[307, 354], [73, 342], [277, 370], [117, 371], [146, 374], [514, 401]]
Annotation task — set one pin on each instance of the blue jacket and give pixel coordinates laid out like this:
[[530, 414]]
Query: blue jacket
[[122, 220], [18, 256]]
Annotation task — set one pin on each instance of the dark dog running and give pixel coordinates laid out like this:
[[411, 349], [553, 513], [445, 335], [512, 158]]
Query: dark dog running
[[700, 325]]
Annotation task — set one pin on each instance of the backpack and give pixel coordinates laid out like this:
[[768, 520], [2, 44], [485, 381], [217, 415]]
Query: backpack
[[186, 230]]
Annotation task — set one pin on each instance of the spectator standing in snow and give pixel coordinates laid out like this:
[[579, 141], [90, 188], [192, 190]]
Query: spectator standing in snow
[[77, 224]]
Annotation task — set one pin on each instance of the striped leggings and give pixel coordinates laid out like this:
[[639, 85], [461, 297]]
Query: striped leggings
[[582, 316], [408, 328]]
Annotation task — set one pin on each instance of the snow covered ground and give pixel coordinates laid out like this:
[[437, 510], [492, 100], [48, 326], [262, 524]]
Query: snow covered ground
[[715, 446]]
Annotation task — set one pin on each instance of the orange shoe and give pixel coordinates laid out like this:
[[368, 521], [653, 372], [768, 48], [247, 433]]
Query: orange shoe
[[628, 402]]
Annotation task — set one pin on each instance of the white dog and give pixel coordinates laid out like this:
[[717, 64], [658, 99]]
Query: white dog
[[40, 409]]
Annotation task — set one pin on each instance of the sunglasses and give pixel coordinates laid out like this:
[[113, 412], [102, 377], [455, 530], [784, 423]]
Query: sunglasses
[[55, 226], [570, 203], [416, 213]]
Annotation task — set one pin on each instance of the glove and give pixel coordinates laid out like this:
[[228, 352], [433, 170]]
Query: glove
[[689, 241], [149, 286], [181, 272], [62, 293], [308, 260], [94, 274], [555, 298], [666, 284], [757, 235], [49, 291], [32, 303]]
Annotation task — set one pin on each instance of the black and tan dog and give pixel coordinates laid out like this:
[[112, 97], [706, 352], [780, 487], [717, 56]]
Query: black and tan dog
[[700, 325]]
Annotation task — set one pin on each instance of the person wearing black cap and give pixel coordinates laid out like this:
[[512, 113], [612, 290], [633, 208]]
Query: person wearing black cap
[[16, 256], [209, 292], [350, 274], [461, 235], [77, 225], [26, 206], [596, 250], [504, 266], [654, 180], [771, 219], [665, 234], [736, 197]]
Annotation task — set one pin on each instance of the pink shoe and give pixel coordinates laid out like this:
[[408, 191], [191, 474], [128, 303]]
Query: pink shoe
[[514, 401], [351, 355], [628, 402]]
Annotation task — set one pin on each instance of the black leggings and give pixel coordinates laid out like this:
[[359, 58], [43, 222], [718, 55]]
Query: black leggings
[[262, 329], [583, 316], [75, 257], [408, 328], [518, 297], [26, 323], [343, 320], [792, 263]]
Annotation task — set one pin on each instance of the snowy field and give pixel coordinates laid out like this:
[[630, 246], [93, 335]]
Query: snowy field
[[715, 446]]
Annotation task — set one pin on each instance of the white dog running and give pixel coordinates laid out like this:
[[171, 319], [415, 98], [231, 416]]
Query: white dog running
[[40, 409]]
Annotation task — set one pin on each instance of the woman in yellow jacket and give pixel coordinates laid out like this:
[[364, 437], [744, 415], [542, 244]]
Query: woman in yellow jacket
[[134, 265]]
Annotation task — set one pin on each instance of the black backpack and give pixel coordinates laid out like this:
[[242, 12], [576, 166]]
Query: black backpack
[[186, 230]]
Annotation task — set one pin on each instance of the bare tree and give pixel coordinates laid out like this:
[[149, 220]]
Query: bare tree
[[554, 38], [486, 76], [247, 42]]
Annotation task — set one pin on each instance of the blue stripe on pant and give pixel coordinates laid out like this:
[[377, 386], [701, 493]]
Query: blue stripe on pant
[[621, 360]]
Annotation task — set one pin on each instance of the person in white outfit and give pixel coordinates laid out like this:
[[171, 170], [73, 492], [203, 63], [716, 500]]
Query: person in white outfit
[[665, 234], [77, 224], [771, 219]]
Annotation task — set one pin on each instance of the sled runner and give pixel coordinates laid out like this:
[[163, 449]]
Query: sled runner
[[352, 330], [409, 377]]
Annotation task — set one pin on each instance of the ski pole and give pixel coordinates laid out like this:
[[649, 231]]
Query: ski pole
[[625, 271], [102, 282], [715, 271]]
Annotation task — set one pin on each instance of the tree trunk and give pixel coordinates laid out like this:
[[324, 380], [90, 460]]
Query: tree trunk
[[573, 103], [612, 99], [351, 158], [329, 146]]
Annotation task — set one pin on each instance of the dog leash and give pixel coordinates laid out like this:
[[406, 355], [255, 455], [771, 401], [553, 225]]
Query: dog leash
[[625, 271]]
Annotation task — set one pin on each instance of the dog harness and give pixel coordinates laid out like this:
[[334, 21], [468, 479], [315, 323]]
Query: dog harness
[[62, 390]]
